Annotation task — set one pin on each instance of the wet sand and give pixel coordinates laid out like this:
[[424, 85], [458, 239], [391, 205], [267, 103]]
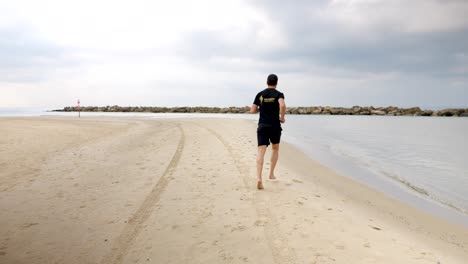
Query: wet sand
[[117, 190]]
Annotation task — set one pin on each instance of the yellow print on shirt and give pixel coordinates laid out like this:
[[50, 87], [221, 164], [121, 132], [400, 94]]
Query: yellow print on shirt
[[268, 100]]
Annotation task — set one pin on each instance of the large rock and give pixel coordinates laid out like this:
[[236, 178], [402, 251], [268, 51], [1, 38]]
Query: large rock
[[377, 112], [451, 112], [317, 110], [336, 111], [390, 109], [427, 113], [233, 110], [294, 111], [411, 111], [356, 109]]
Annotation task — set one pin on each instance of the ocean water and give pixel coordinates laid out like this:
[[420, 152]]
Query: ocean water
[[22, 111], [422, 161], [419, 160]]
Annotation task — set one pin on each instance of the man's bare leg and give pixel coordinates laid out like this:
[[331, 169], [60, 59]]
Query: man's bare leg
[[274, 159], [260, 158]]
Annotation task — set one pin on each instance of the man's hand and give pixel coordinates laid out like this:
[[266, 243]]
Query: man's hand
[[282, 120]]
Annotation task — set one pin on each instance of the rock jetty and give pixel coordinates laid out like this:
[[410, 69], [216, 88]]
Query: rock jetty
[[314, 110]]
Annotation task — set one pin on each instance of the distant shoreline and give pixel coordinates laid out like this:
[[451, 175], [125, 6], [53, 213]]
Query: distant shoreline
[[313, 110]]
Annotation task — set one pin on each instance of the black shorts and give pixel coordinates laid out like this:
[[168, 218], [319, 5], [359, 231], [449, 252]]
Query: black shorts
[[265, 135]]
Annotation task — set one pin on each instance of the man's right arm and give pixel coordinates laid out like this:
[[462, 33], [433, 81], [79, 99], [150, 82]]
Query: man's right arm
[[256, 103], [282, 109], [254, 109]]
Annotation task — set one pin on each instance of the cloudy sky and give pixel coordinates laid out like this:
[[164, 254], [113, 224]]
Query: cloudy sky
[[218, 53]]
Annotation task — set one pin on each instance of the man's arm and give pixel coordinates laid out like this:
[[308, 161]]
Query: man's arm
[[255, 104], [254, 109], [282, 109]]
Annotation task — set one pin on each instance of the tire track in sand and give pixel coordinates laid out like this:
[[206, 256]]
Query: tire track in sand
[[135, 224], [277, 242]]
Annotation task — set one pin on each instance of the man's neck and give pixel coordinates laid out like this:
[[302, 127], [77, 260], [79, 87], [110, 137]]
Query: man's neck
[[271, 87]]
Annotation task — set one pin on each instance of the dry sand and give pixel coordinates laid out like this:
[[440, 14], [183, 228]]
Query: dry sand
[[115, 190]]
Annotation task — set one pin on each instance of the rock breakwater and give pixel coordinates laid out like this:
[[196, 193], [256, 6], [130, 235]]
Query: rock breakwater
[[313, 110]]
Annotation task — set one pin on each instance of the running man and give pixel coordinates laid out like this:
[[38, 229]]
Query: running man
[[270, 103]]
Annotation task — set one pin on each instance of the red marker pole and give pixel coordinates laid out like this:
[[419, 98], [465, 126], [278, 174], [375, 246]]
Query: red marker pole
[[79, 109]]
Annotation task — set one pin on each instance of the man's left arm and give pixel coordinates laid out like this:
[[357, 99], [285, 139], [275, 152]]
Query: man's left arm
[[282, 108]]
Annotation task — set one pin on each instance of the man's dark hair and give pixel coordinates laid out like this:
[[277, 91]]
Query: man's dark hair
[[272, 79]]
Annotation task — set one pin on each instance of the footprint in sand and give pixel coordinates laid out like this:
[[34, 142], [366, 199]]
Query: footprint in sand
[[340, 247], [27, 225], [297, 181], [262, 221], [244, 259], [238, 228]]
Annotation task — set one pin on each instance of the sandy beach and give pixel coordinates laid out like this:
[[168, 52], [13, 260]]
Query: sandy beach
[[127, 190]]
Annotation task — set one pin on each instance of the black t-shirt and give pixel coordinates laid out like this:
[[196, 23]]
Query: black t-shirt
[[267, 100]]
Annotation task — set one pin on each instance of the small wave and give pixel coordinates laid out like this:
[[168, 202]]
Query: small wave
[[406, 183], [363, 161], [424, 192], [449, 204]]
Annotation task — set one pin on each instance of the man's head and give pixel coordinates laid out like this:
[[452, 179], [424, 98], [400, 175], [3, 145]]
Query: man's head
[[272, 80]]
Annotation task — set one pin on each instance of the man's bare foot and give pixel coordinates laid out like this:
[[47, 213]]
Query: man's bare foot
[[272, 177], [259, 185]]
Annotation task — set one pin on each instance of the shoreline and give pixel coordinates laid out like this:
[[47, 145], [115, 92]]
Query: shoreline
[[410, 194], [310, 213], [393, 188]]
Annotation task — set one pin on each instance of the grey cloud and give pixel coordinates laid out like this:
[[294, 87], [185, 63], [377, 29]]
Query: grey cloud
[[315, 41], [423, 66], [318, 40]]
